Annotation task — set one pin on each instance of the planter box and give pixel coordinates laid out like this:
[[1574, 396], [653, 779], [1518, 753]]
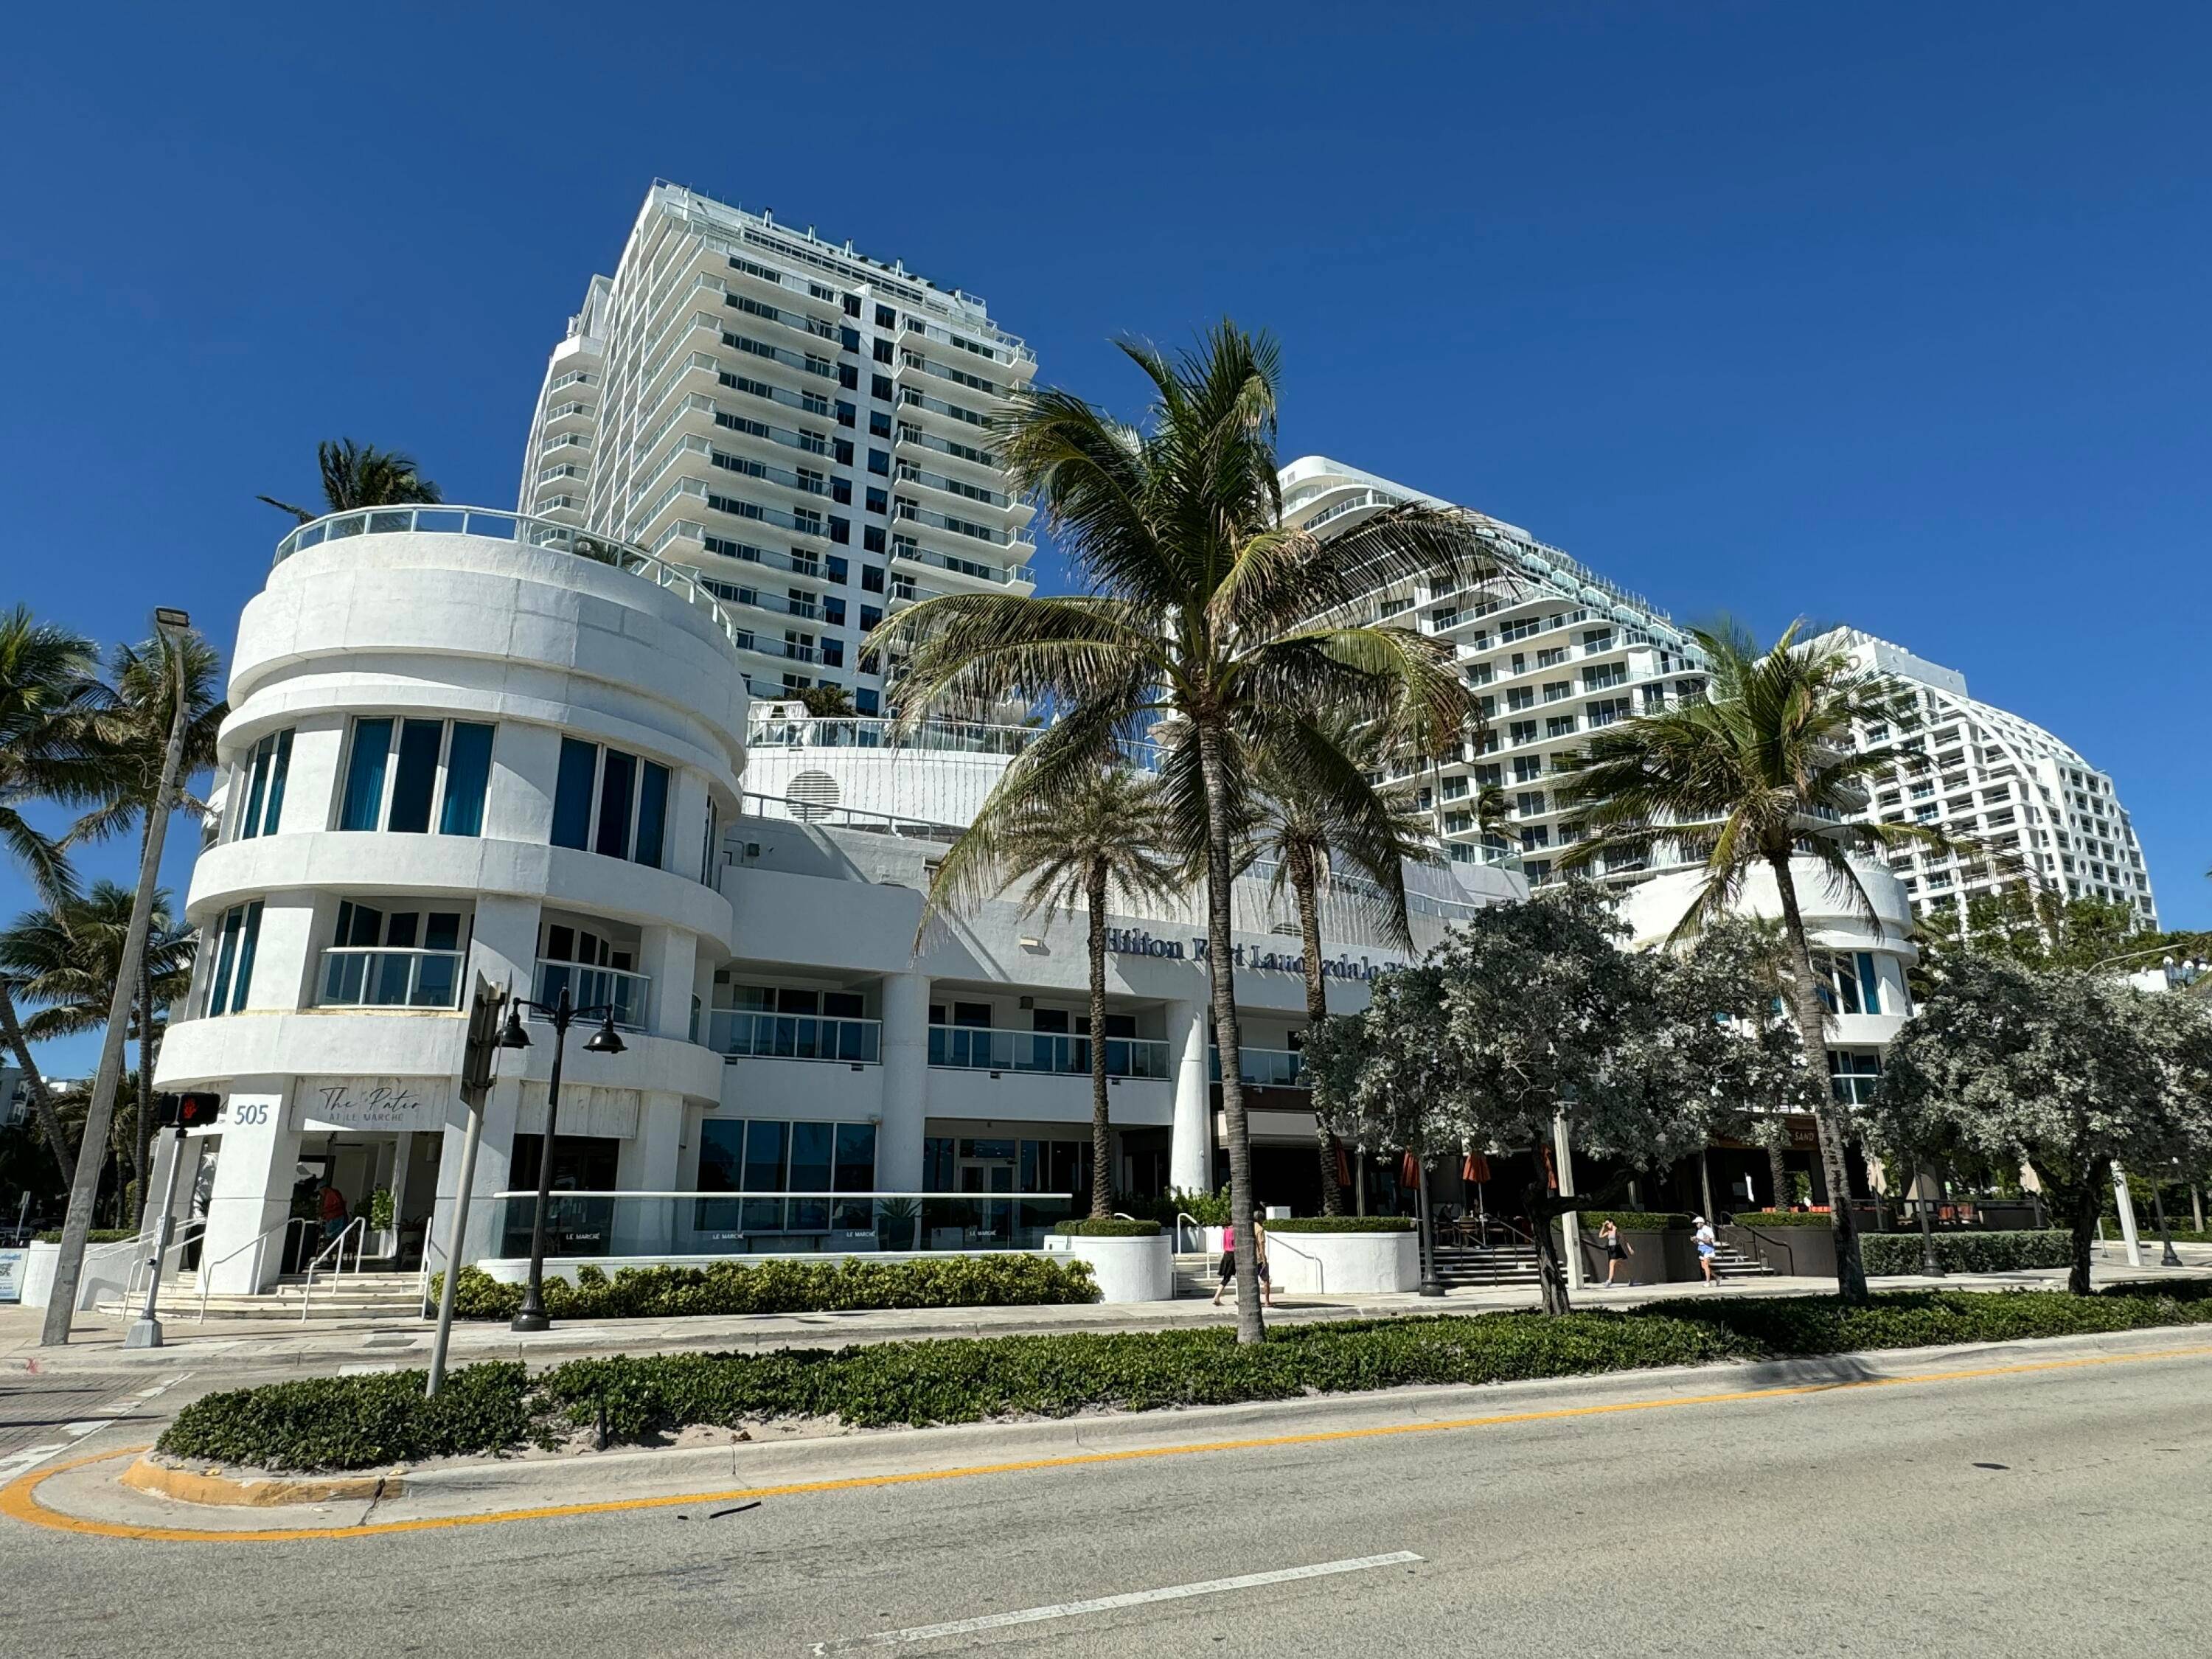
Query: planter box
[[1804, 1252], [1344, 1264], [106, 1270], [1126, 1269]]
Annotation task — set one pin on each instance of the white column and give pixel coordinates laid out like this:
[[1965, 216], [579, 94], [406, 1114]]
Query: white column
[[1190, 1145], [252, 1191], [1570, 1223], [648, 1163], [906, 1083], [670, 956], [2127, 1233]]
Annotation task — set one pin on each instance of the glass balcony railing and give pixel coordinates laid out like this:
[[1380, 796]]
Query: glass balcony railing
[[365, 978], [630, 995], [794, 1036], [976, 1048], [657, 1225], [1265, 1068]]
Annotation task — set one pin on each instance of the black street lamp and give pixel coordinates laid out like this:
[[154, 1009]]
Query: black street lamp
[[561, 1014]]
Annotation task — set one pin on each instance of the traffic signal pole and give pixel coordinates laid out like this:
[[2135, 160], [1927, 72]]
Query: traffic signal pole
[[476, 1086], [145, 1331]]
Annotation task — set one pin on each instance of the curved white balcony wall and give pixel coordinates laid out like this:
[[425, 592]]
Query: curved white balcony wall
[[865, 786]]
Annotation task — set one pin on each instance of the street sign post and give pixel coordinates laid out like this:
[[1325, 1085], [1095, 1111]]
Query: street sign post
[[477, 1057]]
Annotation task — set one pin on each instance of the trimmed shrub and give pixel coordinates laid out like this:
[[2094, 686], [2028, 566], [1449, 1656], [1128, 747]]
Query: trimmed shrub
[[1112, 1227], [1785, 1218], [1340, 1224], [118, 1235], [1636, 1221], [1207, 1209], [359, 1422], [1968, 1253], [841, 1284]]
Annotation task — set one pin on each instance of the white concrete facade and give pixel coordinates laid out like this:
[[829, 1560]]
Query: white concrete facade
[[465, 742], [2002, 782], [1553, 652], [803, 424]]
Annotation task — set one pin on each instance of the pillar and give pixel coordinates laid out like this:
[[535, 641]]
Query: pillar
[[670, 958], [906, 1083], [648, 1163], [1190, 1145], [252, 1191]]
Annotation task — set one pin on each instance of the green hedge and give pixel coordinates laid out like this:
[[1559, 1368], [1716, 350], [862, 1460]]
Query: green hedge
[[1113, 1227], [118, 1235], [358, 1422], [1635, 1221], [841, 1284], [1968, 1253], [1783, 1218], [1340, 1224]]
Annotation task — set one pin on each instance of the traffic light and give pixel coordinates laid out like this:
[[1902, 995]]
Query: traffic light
[[187, 1111]]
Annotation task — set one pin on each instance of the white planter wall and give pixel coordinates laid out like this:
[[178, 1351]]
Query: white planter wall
[[1344, 1264], [1126, 1269]]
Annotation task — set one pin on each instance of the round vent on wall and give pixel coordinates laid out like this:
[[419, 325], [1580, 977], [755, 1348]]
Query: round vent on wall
[[810, 795], [1287, 929]]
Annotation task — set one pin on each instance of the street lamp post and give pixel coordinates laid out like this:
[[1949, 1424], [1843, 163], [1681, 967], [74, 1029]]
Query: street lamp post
[[560, 1013], [2168, 1257]]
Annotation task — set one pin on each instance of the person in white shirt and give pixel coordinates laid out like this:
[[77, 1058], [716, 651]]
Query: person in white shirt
[[1708, 1246]]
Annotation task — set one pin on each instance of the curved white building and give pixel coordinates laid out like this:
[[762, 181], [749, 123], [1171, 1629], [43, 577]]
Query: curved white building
[[464, 741], [2004, 783]]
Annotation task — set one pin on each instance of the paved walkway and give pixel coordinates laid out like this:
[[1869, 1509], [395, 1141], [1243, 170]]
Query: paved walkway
[[260, 1345]]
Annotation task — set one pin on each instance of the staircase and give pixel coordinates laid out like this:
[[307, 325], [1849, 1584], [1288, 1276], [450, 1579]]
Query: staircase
[[1194, 1273], [1487, 1267], [387, 1297], [1729, 1262]]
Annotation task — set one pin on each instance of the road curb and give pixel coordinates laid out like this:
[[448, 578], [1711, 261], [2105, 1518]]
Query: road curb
[[216, 1489]]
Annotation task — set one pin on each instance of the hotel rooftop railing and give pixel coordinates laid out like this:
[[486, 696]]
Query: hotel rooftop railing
[[548, 534]]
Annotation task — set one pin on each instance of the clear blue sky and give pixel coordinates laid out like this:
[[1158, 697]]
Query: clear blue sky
[[1892, 314]]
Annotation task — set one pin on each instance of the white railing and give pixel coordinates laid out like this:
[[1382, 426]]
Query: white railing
[[134, 1286], [548, 534], [255, 1244], [1265, 1068], [356, 1230], [979, 1047], [365, 977], [754, 1034], [630, 995]]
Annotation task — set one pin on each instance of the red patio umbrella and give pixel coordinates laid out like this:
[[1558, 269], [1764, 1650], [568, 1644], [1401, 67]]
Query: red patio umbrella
[[1343, 1167], [1409, 1171], [1475, 1168]]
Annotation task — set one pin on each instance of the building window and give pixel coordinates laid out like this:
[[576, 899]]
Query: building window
[[437, 770], [879, 386], [235, 936], [1847, 981], [262, 786], [879, 424], [761, 1156], [872, 575], [611, 803], [1853, 1074], [849, 376]]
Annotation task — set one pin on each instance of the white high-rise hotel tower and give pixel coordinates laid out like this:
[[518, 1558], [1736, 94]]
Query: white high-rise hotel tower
[[804, 426]]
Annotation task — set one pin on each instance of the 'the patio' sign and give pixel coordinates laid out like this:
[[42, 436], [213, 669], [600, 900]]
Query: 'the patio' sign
[[372, 1103]]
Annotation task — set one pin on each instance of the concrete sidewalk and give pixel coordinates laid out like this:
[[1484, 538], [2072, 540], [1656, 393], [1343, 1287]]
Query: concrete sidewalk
[[96, 1343]]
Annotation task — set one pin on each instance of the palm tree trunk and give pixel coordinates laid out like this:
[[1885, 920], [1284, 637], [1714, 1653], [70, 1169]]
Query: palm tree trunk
[[1221, 969], [42, 1104], [1304, 879], [2088, 1204], [1777, 1172], [1101, 1162], [1811, 1018]]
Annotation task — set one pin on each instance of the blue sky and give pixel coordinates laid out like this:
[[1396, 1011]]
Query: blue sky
[[1892, 314]]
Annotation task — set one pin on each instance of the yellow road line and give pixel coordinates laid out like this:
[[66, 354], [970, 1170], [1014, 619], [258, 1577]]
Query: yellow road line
[[19, 1499]]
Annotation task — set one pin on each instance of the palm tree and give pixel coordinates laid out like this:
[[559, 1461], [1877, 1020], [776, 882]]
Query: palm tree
[[49, 749], [65, 959], [1306, 837], [1205, 615], [1760, 771], [1110, 837], [361, 475], [136, 729]]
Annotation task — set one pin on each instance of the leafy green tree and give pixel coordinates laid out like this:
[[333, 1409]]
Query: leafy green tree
[[1109, 840], [1531, 1014], [1305, 839], [827, 702], [1759, 771], [1205, 620], [51, 751], [2036, 929], [2067, 1072], [361, 475]]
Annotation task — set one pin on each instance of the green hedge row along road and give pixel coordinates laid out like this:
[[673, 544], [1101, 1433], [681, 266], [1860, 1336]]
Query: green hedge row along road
[[845, 1283], [1339, 1224], [1968, 1253], [362, 1422]]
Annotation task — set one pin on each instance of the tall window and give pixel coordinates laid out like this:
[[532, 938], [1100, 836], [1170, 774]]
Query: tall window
[[261, 786], [609, 802], [402, 775], [1847, 981], [234, 938]]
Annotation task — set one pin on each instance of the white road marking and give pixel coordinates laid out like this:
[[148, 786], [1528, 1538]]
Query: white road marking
[[1108, 1603], [30, 1457]]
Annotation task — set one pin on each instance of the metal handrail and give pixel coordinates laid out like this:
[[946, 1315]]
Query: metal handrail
[[207, 1276], [1200, 1226], [1770, 1236], [359, 1224], [184, 1235]]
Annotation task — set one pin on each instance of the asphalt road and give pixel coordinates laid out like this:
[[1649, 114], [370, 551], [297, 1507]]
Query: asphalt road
[[2058, 1511]]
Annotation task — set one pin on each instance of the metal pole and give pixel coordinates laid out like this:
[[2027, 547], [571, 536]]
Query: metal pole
[[1928, 1264], [92, 1149], [469, 1138], [2128, 1237], [531, 1316], [146, 1332], [2169, 1257], [1430, 1285], [1571, 1223]]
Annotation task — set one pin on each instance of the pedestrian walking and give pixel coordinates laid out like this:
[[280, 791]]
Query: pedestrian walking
[[1616, 1250], [1707, 1248], [1259, 1262]]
